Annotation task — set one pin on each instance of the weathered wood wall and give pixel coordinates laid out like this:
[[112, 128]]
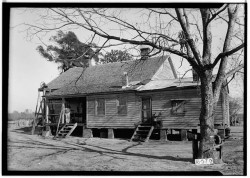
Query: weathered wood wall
[[75, 105], [111, 118], [56, 104], [161, 103]]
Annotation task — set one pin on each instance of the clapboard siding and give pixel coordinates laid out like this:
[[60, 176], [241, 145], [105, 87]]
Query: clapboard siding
[[111, 118], [91, 107], [161, 103]]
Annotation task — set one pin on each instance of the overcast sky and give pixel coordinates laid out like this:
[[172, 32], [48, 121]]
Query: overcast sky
[[28, 69]]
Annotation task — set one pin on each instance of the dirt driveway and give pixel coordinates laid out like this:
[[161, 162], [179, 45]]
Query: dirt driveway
[[35, 153]]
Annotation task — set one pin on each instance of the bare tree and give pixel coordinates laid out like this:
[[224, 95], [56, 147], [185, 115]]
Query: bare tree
[[195, 35]]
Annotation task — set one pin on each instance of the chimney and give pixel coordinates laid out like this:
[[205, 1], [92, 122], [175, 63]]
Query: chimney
[[144, 52], [126, 77], [195, 76], [92, 62]]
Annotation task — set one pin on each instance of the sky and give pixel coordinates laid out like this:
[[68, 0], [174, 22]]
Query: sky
[[27, 68]]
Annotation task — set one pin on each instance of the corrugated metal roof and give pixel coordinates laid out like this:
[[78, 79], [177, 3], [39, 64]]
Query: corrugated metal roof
[[162, 84]]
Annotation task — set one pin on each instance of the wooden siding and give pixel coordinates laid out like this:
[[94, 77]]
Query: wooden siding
[[111, 118], [56, 105], [91, 107], [161, 103]]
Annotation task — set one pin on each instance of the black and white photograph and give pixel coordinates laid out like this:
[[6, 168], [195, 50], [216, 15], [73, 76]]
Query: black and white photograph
[[124, 88]]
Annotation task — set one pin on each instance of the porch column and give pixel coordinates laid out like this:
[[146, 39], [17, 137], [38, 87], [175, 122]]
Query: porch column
[[111, 133], [63, 107], [47, 113]]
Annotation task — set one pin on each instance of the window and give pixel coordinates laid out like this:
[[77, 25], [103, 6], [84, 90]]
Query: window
[[100, 106], [122, 106], [178, 107]]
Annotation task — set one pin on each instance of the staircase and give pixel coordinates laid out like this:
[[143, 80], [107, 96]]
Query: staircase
[[142, 133], [66, 130]]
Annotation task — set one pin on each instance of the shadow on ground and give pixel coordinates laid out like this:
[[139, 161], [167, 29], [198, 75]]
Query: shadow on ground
[[62, 149]]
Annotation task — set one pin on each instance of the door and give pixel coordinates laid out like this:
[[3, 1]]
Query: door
[[146, 110]]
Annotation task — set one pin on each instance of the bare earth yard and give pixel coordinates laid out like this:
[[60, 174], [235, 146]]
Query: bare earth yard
[[35, 153]]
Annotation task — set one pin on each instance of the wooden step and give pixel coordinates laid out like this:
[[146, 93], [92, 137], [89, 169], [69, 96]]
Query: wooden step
[[144, 126], [143, 130], [142, 133], [66, 130], [62, 134], [69, 127]]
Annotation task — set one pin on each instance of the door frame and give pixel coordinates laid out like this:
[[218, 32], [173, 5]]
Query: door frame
[[150, 106]]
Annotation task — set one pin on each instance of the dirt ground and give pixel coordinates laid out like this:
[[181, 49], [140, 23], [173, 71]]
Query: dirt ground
[[35, 153]]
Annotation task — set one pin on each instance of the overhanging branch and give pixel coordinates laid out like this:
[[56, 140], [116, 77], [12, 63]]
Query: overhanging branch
[[228, 53]]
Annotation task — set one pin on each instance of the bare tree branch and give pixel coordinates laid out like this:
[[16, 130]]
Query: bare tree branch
[[233, 71], [232, 14], [164, 13], [190, 41], [228, 53], [217, 13]]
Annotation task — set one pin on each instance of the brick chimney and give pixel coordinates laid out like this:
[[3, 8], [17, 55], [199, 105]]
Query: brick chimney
[[144, 52]]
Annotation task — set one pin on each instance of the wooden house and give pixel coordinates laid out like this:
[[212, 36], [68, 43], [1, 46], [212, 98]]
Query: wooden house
[[122, 95]]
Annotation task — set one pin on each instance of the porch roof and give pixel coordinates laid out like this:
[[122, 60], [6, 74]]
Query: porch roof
[[162, 84]]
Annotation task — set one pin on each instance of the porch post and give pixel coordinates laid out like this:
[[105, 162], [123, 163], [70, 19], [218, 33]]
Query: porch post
[[47, 113], [63, 107]]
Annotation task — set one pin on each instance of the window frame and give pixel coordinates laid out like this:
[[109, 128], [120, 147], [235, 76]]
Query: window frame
[[118, 105], [96, 107], [174, 109]]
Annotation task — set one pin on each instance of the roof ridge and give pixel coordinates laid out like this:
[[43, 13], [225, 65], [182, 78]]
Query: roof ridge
[[130, 61]]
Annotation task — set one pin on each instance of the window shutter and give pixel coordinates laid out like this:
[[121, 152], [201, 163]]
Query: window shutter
[[91, 107]]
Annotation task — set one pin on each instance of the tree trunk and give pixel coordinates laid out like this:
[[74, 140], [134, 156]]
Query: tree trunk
[[207, 119]]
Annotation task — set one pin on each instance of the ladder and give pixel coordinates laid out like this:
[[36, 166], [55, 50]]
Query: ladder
[[66, 130], [39, 111], [142, 133]]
